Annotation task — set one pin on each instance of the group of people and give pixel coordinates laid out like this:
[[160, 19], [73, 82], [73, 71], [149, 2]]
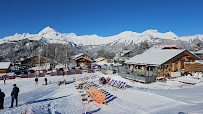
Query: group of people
[[62, 82], [14, 96], [36, 81]]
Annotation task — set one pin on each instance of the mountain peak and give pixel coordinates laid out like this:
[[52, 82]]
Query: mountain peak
[[151, 31], [46, 30]]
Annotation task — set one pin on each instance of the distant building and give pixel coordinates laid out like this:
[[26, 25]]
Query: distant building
[[122, 56], [199, 54], [4, 67], [34, 62], [100, 59], [83, 60]]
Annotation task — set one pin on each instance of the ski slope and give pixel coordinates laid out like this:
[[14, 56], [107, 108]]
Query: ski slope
[[158, 97]]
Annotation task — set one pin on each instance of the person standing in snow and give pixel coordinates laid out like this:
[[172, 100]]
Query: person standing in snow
[[45, 81], [36, 81], [14, 95], [63, 73], [2, 95], [4, 80], [37, 73]]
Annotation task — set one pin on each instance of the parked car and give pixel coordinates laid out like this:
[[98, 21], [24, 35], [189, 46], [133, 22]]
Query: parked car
[[8, 76], [2, 76], [31, 71]]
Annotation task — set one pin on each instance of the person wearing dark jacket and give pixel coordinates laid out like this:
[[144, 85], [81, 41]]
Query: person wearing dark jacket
[[36, 80], [45, 81], [4, 80], [14, 95], [63, 73], [2, 95]]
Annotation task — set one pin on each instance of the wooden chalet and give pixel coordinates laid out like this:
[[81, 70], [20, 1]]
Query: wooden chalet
[[34, 62], [4, 67], [122, 56], [83, 60], [161, 62]]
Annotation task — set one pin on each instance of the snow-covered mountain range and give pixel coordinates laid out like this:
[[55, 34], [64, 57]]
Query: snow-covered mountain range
[[128, 37], [19, 46]]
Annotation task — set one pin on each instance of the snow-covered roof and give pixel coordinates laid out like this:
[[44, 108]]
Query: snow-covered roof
[[99, 59], [102, 63], [83, 58], [4, 65], [199, 52], [124, 52], [60, 66], [78, 55], [154, 57], [22, 59]]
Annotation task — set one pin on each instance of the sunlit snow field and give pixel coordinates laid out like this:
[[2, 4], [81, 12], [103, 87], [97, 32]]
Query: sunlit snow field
[[170, 97]]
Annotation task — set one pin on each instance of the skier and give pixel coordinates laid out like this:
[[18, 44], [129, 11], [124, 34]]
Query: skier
[[4, 80], [45, 81], [14, 95], [36, 80], [2, 95]]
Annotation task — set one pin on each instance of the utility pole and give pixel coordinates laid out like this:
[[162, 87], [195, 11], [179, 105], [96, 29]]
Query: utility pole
[[66, 60], [55, 53], [39, 59], [39, 56], [46, 57]]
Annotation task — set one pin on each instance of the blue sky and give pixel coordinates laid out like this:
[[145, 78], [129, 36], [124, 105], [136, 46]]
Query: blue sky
[[101, 17]]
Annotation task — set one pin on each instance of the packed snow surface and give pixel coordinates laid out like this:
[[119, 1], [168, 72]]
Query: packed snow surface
[[170, 97]]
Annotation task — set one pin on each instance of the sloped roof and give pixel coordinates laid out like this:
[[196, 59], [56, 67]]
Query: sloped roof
[[4, 65], [122, 53], [125, 52], [35, 56], [83, 58], [78, 55], [101, 63], [154, 57], [99, 59], [199, 52]]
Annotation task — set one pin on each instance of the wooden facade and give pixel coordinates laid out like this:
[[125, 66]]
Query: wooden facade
[[196, 67], [175, 64], [83, 60], [4, 67], [34, 61], [3, 71], [167, 69], [200, 55]]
